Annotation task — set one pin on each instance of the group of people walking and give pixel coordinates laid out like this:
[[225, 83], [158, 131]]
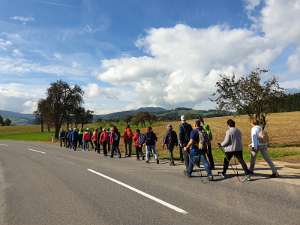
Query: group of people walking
[[195, 145]]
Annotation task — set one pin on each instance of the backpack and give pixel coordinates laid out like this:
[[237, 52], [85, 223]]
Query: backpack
[[203, 139], [263, 138], [142, 139]]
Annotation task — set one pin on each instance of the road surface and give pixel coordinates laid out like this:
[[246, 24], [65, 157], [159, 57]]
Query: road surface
[[43, 184]]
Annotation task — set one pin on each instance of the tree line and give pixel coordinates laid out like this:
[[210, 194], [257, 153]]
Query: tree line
[[5, 122]]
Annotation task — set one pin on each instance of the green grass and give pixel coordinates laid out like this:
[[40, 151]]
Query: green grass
[[34, 136]]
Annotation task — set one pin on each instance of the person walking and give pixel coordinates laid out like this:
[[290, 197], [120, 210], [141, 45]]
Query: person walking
[[80, 135], [196, 151], [233, 147], [170, 141], [139, 140], [260, 142], [86, 139], [208, 150], [98, 140], [128, 136], [104, 139], [74, 139], [62, 136], [94, 139], [115, 141], [185, 130], [150, 142]]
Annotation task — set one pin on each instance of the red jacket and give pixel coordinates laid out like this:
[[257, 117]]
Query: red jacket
[[94, 136], [136, 139], [104, 137], [128, 135], [86, 136]]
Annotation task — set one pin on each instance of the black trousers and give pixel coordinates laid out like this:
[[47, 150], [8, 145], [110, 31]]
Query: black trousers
[[139, 151], [104, 145], [210, 157], [239, 156]]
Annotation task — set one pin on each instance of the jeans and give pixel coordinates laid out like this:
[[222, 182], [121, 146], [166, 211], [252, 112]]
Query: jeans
[[265, 155], [151, 148], [239, 156], [114, 148], [196, 156], [170, 149], [85, 145], [128, 147]]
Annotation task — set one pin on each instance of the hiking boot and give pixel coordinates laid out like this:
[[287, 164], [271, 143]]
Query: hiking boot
[[210, 178], [157, 161], [251, 172], [246, 178], [274, 175], [147, 161]]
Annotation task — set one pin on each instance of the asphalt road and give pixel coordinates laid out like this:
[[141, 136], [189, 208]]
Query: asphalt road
[[42, 184]]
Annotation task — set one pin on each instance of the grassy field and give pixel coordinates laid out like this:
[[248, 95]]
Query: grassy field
[[283, 128]]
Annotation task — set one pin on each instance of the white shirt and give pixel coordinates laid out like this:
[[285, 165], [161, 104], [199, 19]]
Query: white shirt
[[254, 136]]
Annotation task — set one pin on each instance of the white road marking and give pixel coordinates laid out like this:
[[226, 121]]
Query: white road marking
[[175, 208], [33, 150]]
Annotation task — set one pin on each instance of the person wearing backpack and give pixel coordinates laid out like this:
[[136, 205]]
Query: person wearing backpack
[[260, 142], [139, 140], [170, 141], [197, 153], [86, 139], [115, 141], [233, 147], [185, 130], [94, 138], [127, 136], [150, 142]]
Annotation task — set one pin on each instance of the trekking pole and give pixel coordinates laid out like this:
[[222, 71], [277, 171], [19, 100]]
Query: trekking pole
[[234, 170]]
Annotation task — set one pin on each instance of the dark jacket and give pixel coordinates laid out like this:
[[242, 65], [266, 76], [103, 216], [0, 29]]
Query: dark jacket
[[151, 138], [170, 139], [185, 130]]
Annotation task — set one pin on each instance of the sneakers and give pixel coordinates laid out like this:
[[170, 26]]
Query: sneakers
[[210, 178], [274, 175], [222, 175], [246, 178]]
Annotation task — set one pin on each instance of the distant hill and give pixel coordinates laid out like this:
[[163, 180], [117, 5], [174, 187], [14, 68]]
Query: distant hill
[[163, 114], [17, 118]]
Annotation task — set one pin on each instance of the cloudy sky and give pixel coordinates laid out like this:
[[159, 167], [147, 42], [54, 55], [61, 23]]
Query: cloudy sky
[[131, 53]]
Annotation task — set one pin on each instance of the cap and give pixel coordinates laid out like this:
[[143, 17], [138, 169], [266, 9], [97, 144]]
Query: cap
[[182, 118]]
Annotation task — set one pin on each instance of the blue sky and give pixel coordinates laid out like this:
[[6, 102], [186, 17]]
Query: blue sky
[[131, 53]]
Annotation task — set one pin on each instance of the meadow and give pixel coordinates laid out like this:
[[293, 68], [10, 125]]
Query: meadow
[[283, 128]]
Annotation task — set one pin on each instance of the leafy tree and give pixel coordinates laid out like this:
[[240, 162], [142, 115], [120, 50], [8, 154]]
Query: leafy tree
[[43, 113], [62, 100], [7, 122], [1, 120], [248, 94]]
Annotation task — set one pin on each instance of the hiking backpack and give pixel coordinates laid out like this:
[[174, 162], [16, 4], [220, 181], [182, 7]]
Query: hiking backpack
[[203, 139]]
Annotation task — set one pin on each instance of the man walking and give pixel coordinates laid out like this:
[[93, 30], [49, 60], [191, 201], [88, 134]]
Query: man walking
[[170, 140], [138, 143], [260, 141], [115, 141], [151, 140], [128, 136], [185, 130], [62, 136], [233, 147], [197, 153]]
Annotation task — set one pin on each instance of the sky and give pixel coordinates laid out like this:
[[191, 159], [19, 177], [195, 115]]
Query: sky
[[127, 54]]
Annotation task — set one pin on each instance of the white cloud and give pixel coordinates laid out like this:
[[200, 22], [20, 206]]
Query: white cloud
[[5, 44], [23, 19], [181, 64], [20, 97]]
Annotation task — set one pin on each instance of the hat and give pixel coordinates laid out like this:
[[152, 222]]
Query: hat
[[182, 118]]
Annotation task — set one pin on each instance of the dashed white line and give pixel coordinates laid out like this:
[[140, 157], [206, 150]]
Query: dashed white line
[[166, 204], [33, 150]]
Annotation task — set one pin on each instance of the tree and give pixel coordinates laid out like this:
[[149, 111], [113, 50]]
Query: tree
[[83, 116], [43, 114], [7, 122], [248, 94], [1, 120], [62, 100]]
